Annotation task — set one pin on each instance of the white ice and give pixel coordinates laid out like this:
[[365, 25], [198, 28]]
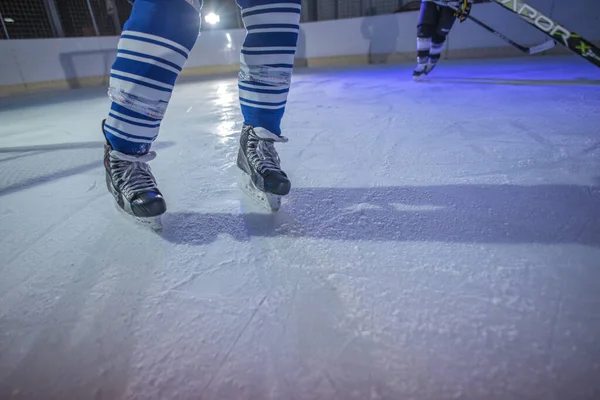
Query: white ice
[[441, 240]]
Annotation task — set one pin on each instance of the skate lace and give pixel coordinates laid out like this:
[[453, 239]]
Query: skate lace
[[262, 155], [131, 173]]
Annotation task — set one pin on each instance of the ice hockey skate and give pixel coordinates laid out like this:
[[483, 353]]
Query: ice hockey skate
[[430, 66], [420, 71], [261, 177], [130, 180]]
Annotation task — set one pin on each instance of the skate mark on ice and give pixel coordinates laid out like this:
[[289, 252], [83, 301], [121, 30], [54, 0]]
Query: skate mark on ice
[[312, 141], [92, 187], [235, 342], [588, 228], [537, 138], [290, 311], [554, 324], [93, 316], [479, 149], [193, 276], [25, 247], [23, 155], [32, 182], [591, 149], [53, 147]]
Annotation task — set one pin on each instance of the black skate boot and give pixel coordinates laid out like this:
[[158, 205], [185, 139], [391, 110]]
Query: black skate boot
[[422, 61], [430, 66], [420, 71], [130, 180], [262, 177], [434, 56]]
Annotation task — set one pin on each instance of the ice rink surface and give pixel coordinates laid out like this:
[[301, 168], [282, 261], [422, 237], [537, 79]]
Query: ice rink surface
[[441, 241]]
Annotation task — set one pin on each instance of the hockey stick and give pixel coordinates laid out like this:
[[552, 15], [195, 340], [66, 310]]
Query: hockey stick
[[547, 45], [556, 31], [528, 50]]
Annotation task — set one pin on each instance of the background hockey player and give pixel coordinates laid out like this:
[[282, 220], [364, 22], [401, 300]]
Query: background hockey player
[[152, 50], [435, 22]]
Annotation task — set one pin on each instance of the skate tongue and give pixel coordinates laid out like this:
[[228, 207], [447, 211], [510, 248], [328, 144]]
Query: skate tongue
[[151, 155], [264, 134]]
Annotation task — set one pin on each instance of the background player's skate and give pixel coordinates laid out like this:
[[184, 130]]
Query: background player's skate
[[423, 48], [435, 22], [261, 176]]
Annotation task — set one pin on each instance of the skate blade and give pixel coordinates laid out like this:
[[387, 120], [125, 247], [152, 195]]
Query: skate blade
[[154, 223], [268, 201]]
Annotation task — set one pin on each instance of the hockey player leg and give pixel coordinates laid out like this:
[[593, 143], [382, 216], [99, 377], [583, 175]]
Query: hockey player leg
[[152, 50], [266, 64], [423, 49], [446, 20], [426, 27], [437, 46]]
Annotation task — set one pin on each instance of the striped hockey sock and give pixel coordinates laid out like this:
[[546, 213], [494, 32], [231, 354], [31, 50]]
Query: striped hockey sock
[[152, 50], [267, 60]]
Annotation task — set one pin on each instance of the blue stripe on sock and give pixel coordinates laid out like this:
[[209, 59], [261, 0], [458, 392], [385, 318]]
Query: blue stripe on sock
[[255, 3], [266, 85], [271, 10], [155, 125], [271, 26], [271, 39], [141, 39], [267, 52], [263, 118], [128, 134], [130, 113], [146, 70], [264, 103], [280, 65], [162, 60], [266, 91], [125, 146], [115, 75]]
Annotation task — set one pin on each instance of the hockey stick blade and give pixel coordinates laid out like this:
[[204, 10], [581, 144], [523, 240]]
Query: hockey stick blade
[[542, 47]]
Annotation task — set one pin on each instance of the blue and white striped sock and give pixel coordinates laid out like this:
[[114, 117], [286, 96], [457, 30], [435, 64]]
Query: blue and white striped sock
[[152, 50], [267, 60]]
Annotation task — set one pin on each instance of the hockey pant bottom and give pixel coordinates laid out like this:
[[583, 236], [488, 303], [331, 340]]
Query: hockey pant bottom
[[434, 25], [155, 44]]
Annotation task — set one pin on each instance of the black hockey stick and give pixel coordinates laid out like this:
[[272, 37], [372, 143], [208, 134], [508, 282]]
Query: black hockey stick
[[556, 31], [528, 50]]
